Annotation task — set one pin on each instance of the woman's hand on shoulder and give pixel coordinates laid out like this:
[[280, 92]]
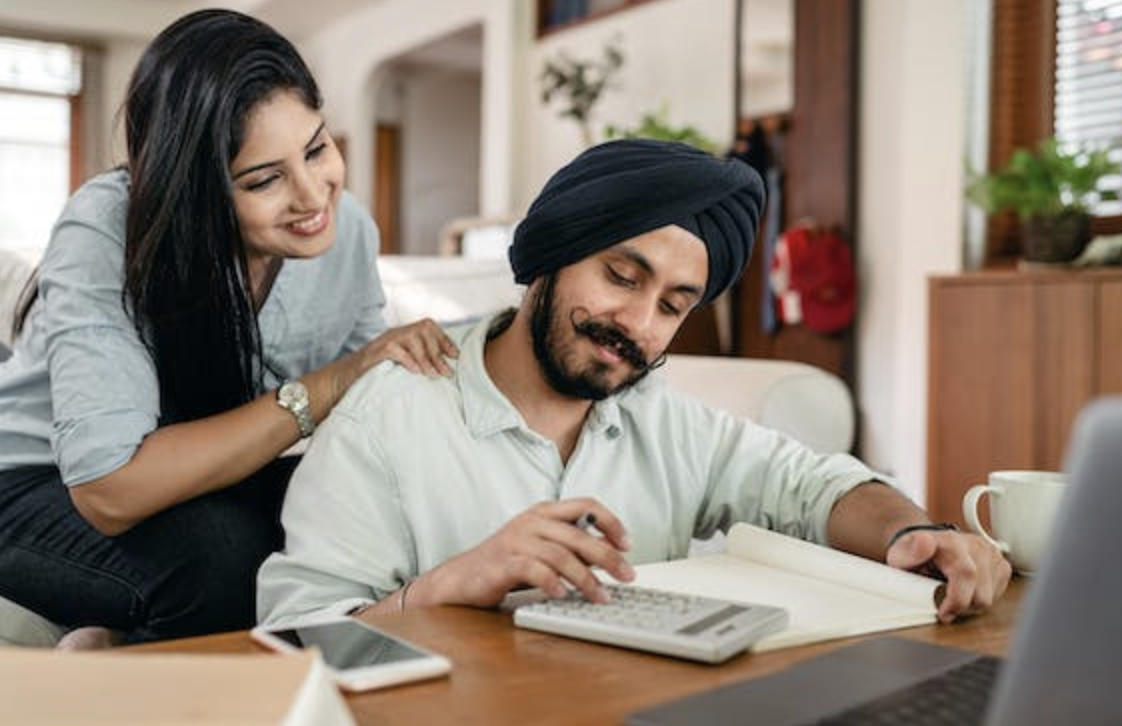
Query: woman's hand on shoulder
[[421, 347]]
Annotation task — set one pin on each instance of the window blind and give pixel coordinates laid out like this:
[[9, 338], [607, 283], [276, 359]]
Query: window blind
[[1088, 87], [40, 67]]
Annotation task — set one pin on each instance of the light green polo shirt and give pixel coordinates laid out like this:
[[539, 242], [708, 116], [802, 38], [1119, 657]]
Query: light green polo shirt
[[409, 471]]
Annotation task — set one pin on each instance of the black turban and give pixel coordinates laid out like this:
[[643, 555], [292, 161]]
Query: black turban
[[625, 188]]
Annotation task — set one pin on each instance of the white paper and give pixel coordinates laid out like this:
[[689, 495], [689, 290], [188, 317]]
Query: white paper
[[828, 593]]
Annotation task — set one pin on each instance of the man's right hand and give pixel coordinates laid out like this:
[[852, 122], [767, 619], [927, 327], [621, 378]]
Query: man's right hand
[[542, 547]]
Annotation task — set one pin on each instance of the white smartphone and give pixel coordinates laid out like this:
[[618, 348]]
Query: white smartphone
[[359, 656]]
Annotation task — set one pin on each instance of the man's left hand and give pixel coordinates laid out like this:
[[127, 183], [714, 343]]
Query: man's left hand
[[977, 574]]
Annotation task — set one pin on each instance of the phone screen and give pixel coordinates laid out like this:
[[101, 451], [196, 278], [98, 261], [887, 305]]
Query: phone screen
[[348, 644]]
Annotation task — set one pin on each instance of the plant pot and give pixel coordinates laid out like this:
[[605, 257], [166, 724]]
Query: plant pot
[[1055, 239]]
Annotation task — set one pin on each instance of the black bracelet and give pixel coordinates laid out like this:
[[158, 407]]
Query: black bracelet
[[943, 527]]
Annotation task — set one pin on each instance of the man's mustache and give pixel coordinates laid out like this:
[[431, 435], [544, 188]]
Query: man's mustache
[[610, 336]]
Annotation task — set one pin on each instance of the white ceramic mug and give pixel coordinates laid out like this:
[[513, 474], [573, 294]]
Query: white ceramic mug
[[1023, 506]]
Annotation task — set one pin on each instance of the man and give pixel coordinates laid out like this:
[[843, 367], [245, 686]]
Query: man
[[421, 491]]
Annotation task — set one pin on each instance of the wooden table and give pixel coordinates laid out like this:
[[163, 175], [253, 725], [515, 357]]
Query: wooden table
[[505, 675]]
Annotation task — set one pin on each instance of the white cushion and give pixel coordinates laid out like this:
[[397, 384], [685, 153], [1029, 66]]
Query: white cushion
[[801, 400], [14, 271], [807, 403], [446, 289]]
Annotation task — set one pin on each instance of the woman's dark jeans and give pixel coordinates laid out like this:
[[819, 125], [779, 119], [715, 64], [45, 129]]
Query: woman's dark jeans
[[189, 570]]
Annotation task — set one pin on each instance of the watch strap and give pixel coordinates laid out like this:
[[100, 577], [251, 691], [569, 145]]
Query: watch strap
[[304, 420]]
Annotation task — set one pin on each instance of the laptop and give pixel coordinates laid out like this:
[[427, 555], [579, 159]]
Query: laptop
[[1065, 660]]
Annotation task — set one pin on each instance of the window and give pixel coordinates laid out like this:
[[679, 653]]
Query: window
[[1056, 69], [40, 84], [1087, 111]]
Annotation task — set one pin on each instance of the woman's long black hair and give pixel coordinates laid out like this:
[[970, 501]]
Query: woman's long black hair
[[186, 278]]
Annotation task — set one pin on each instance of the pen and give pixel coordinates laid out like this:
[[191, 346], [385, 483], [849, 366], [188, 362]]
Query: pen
[[585, 521]]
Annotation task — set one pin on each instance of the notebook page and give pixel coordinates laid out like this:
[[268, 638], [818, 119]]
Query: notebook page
[[806, 558], [828, 594]]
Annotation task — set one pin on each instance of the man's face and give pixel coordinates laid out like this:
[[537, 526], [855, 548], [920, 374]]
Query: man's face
[[599, 324]]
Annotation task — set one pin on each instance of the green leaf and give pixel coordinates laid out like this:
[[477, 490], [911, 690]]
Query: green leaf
[[1047, 180], [656, 125], [579, 84]]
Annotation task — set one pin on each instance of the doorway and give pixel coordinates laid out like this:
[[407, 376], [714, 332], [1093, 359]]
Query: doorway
[[427, 141]]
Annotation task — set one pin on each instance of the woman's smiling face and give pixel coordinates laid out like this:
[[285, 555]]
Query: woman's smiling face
[[288, 178]]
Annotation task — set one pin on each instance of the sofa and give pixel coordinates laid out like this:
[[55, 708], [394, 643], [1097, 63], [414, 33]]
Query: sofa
[[801, 400], [14, 271]]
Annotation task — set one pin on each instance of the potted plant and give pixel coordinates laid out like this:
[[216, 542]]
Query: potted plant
[[580, 84], [1051, 190], [657, 125]]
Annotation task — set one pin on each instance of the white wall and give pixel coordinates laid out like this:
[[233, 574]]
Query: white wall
[[119, 60], [767, 57], [912, 135], [440, 125], [345, 57], [676, 52], [522, 142], [92, 18]]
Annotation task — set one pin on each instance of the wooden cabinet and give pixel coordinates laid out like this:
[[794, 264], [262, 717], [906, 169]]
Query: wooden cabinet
[[1013, 357]]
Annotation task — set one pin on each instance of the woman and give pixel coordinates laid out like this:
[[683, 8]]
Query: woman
[[196, 314]]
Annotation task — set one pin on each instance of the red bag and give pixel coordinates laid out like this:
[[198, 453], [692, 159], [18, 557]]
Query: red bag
[[813, 279]]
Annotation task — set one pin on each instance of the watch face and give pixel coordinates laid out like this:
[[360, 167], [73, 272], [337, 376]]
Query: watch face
[[292, 394]]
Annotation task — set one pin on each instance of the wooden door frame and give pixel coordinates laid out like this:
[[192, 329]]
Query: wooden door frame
[[387, 185], [821, 174]]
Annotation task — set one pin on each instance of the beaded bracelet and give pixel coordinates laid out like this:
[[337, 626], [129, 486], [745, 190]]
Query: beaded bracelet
[[943, 527]]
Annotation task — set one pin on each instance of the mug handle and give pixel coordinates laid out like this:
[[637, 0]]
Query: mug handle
[[970, 512]]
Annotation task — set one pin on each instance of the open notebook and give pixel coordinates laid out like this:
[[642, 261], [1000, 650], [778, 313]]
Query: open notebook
[[828, 593], [1065, 662]]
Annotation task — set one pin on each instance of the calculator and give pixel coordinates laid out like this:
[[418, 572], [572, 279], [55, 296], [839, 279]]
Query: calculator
[[684, 626]]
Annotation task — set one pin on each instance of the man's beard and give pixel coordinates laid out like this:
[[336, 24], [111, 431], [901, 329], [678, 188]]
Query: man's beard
[[547, 330]]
